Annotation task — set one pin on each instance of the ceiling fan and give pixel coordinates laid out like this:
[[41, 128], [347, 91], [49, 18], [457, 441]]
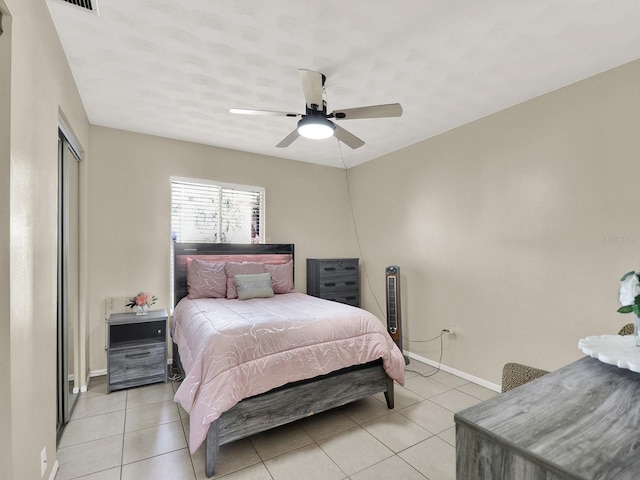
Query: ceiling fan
[[316, 123]]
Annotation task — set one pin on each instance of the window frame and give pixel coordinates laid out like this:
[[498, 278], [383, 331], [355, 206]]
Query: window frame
[[223, 186]]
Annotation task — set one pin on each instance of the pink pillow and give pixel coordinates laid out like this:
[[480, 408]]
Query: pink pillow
[[281, 276], [206, 279], [232, 269]]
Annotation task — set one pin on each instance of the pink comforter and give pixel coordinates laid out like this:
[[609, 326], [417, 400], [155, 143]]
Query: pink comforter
[[234, 349]]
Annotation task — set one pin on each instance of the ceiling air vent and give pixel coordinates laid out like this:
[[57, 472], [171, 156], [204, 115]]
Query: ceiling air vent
[[91, 5]]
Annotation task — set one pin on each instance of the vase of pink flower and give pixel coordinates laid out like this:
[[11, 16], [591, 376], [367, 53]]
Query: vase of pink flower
[[141, 303]]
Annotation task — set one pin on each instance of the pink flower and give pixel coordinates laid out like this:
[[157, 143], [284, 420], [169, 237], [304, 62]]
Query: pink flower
[[142, 298]]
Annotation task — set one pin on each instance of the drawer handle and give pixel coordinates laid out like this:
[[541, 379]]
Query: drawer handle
[[349, 268], [349, 283], [329, 269], [330, 284], [138, 355]]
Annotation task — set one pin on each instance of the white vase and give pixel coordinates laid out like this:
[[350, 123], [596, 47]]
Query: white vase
[[142, 309]]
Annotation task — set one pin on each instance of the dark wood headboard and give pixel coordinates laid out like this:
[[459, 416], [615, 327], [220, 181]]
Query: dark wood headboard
[[237, 252]]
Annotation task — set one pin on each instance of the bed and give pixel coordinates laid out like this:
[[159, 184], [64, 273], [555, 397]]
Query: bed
[[262, 359]]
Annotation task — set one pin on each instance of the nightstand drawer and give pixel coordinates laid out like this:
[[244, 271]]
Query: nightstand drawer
[[350, 298], [134, 363], [337, 267], [337, 284]]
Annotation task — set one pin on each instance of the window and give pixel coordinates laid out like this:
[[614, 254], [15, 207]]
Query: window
[[212, 212]]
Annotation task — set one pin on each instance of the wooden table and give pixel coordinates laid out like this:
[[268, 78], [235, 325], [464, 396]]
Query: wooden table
[[579, 422]]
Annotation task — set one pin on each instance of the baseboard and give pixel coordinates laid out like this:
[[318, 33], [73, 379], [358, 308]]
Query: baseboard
[[466, 376], [54, 471], [85, 387], [75, 389]]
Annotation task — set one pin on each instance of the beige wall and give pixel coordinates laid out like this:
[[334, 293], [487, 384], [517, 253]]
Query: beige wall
[[129, 212], [40, 86], [516, 228], [5, 339]]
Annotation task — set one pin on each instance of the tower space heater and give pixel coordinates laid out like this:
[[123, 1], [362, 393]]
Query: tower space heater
[[394, 323]]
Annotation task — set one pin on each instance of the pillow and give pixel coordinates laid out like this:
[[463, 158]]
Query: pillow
[[234, 268], [281, 276], [257, 285], [206, 279]]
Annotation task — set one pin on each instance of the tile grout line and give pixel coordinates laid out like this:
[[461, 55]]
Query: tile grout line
[[124, 429], [184, 432], [358, 424]]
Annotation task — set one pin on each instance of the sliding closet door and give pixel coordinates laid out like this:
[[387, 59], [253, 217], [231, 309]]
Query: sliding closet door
[[68, 278]]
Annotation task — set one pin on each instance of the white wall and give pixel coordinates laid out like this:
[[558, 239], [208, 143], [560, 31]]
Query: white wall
[[516, 228], [129, 212], [40, 85]]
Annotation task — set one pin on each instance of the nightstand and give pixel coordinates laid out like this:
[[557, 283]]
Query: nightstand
[[136, 349]]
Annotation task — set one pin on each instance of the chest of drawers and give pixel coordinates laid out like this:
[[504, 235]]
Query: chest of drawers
[[336, 279]]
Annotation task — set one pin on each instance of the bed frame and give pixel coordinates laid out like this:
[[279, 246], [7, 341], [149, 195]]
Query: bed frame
[[290, 402]]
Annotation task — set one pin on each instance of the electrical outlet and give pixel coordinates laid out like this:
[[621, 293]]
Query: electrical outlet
[[452, 329], [43, 461]]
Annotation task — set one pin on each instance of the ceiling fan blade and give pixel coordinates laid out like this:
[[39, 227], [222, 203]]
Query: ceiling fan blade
[[288, 140], [311, 86], [374, 111], [247, 111], [348, 138]]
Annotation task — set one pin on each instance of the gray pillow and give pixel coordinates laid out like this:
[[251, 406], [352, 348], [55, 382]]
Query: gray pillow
[[256, 285]]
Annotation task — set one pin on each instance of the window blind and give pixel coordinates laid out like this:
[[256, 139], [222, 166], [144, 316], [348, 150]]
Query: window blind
[[212, 212]]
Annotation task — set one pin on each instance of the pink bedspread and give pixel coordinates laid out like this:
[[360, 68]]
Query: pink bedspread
[[234, 349]]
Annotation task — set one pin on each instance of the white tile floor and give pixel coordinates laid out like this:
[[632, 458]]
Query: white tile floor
[[141, 433]]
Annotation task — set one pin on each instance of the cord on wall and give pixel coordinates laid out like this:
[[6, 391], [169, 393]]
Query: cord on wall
[[355, 229], [366, 273], [353, 222], [444, 330], [364, 264]]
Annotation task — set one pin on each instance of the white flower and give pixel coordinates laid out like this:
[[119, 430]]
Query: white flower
[[629, 289]]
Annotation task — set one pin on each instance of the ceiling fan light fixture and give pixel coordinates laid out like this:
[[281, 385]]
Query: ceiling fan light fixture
[[315, 127]]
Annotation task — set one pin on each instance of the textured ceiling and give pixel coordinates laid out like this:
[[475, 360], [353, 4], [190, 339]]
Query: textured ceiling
[[174, 68]]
